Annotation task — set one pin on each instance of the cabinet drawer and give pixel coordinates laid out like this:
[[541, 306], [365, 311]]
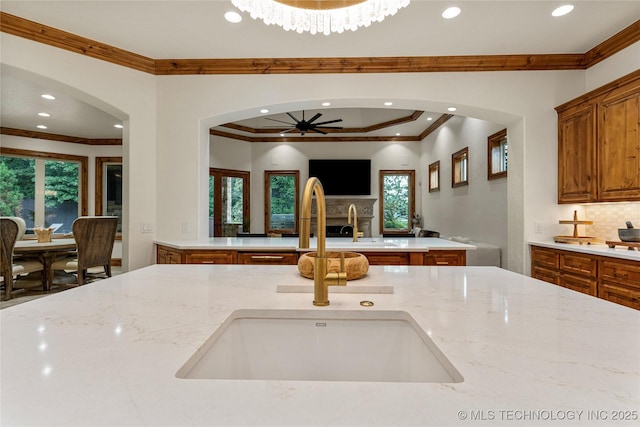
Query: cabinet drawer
[[619, 294], [267, 258], [541, 273], [211, 257], [579, 264], [619, 272], [387, 258], [444, 258], [579, 284], [544, 257]]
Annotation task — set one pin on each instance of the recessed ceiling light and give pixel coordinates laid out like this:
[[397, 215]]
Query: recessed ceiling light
[[282, 134], [264, 111], [562, 10], [326, 104], [119, 126], [233, 17], [44, 114], [429, 118], [47, 96], [388, 103], [397, 133], [451, 109], [451, 12], [41, 127]]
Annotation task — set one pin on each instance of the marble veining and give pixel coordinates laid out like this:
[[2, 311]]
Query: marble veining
[[106, 353]]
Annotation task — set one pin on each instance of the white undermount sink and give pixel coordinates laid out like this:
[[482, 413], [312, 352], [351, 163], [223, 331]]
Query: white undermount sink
[[319, 345]]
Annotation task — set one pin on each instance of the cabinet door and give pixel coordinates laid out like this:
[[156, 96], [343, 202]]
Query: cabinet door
[[544, 257], [619, 147], [168, 256], [619, 294], [579, 264], [576, 155], [387, 258]]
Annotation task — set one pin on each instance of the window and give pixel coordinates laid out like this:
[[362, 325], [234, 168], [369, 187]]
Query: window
[[434, 177], [397, 201], [44, 189], [109, 187], [497, 144], [228, 202], [460, 168], [281, 196]]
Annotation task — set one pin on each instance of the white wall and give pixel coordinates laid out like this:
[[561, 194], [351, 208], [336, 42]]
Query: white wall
[[167, 120], [126, 94], [277, 156], [478, 210]]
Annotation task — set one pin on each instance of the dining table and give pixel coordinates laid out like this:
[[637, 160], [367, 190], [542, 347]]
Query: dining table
[[45, 252]]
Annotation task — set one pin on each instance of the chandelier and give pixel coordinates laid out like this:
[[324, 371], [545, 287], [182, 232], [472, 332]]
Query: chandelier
[[320, 16]]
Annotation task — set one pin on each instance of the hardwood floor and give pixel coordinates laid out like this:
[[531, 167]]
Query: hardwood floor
[[30, 286]]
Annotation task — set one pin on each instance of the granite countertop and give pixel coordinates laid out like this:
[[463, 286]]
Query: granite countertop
[[364, 244], [107, 353], [592, 249]]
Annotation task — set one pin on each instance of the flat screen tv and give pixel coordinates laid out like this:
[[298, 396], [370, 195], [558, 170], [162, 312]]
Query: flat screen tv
[[342, 177]]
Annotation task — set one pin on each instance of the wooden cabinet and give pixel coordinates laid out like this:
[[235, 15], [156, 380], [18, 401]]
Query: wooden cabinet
[[620, 282], [445, 258], [169, 256], [268, 258], [387, 258], [599, 144], [605, 277], [619, 146], [210, 257], [577, 154]]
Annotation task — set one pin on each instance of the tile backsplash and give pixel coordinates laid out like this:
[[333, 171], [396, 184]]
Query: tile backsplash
[[608, 217]]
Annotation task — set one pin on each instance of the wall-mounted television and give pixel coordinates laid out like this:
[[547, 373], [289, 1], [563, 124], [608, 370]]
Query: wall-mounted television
[[342, 177]]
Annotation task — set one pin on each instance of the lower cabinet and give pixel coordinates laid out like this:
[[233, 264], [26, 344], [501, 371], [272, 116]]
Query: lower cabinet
[[168, 255], [612, 279]]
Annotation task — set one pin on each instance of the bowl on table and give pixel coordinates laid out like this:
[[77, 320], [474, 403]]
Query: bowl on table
[[629, 234]]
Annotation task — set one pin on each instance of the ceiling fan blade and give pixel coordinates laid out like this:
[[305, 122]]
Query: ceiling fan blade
[[279, 121], [316, 130], [327, 122], [294, 119], [314, 118]]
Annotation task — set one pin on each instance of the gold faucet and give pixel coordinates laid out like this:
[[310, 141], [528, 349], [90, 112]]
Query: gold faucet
[[321, 279], [356, 234]]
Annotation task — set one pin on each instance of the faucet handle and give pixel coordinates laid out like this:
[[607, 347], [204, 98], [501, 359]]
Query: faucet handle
[[336, 279]]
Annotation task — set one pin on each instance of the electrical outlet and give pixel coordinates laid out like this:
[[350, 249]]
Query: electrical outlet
[[145, 227], [185, 227], [537, 228]]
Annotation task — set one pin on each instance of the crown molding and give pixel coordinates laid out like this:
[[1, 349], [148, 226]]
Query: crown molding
[[37, 32], [59, 138]]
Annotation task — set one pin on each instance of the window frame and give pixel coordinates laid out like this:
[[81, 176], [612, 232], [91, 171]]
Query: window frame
[[411, 202], [460, 159], [100, 189], [434, 168], [267, 200], [495, 140], [218, 173], [83, 172]]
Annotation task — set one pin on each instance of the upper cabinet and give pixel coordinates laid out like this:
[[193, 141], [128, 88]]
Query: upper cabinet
[[599, 144]]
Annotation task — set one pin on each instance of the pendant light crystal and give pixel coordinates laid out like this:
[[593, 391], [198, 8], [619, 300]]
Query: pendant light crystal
[[320, 20]]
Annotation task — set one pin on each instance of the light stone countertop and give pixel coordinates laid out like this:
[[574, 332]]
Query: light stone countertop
[[592, 249], [371, 244], [106, 354]]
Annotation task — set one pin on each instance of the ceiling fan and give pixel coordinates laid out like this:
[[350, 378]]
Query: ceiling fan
[[304, 126]]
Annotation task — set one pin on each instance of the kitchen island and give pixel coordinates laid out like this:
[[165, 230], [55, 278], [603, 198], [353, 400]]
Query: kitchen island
[[285, 250], [530, 353]]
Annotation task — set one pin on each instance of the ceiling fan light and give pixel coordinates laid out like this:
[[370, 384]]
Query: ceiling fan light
[[314, 19]]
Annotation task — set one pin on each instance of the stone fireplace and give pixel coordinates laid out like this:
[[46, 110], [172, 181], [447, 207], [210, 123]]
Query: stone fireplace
[[338, 209]]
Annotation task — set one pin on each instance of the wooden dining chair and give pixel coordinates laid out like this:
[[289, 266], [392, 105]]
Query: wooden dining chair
[[9, 230], [94, 236]]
